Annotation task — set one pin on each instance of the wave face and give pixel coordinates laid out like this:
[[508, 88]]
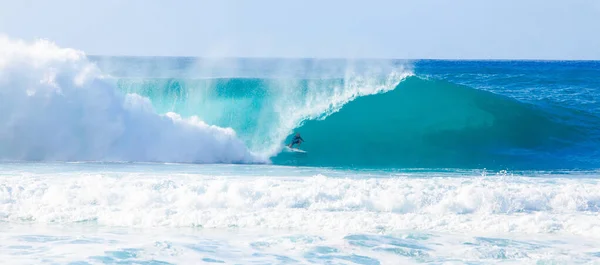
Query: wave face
[[432, 123], [55, 105]]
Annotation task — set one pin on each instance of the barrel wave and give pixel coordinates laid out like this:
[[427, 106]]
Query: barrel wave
[[433, 124], [262, 111], [400, 120]]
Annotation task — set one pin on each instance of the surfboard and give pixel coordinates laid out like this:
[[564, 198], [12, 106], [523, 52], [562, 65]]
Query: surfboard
[[295, 150]]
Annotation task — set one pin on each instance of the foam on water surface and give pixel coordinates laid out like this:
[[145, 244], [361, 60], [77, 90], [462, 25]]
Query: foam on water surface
[[81, 244], [184, 214]]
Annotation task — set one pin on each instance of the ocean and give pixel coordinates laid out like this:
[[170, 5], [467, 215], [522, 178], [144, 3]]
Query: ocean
[[181, 160]]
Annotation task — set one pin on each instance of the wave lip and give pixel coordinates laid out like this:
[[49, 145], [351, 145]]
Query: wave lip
[[55, 105]]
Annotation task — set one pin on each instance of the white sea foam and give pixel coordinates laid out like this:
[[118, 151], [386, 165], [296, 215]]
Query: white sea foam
[[97, 213], [54, 105], [81, 244], [144, 199]]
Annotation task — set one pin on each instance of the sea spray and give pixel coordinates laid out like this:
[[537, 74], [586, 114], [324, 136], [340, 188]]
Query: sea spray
[[55, 105]]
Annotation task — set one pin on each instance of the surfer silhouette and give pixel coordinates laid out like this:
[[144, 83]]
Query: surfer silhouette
[[296, 140]]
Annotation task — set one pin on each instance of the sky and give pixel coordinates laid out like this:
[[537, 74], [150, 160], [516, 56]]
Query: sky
[[416, 29]]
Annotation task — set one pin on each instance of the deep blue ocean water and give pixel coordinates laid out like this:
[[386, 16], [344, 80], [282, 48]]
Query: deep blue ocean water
[[131, 160]]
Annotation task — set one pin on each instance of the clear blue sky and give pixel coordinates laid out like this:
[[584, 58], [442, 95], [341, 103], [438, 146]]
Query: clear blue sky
[[462, 29]]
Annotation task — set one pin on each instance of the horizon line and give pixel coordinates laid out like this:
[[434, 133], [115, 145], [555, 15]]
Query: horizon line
[[343, 58]]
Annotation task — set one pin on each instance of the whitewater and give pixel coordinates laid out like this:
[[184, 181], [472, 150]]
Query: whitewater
[[144, 160]]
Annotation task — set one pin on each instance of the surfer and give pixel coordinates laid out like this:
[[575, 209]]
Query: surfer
[[296, 140]]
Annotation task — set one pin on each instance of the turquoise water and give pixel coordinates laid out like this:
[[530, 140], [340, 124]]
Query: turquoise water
[[123, 160], [462, 114]]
